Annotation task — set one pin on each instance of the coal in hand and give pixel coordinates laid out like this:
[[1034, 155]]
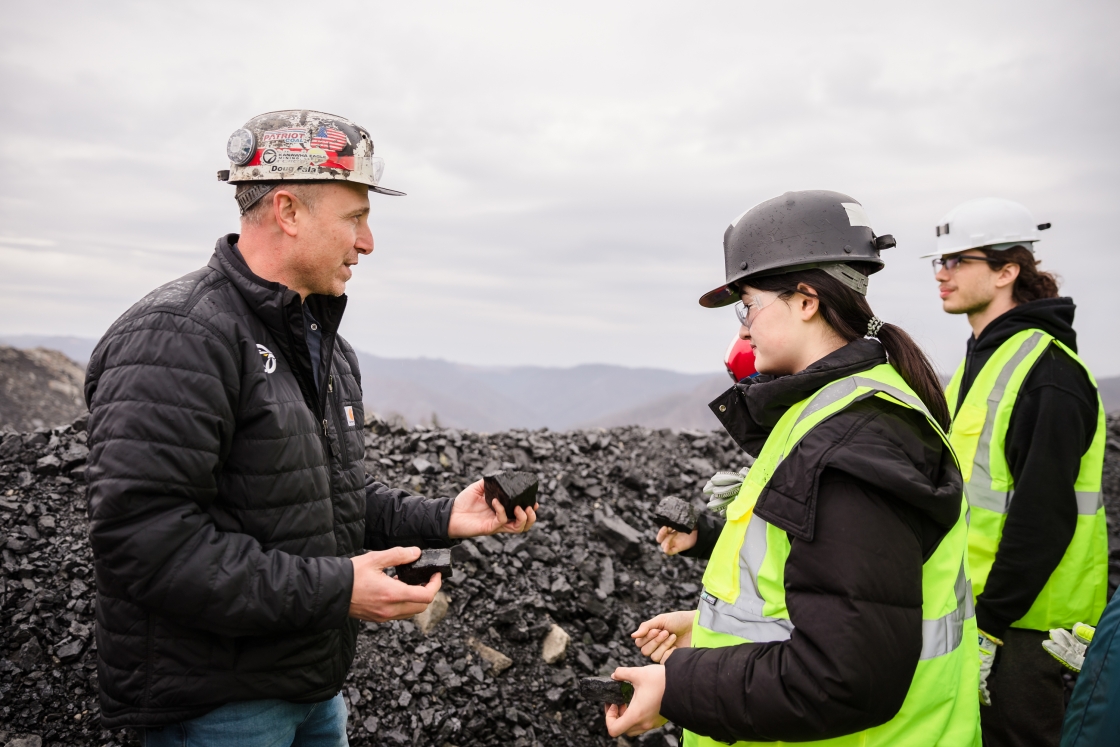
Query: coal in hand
[[511, 489], [419, 572], [606, 690], [676, 514]]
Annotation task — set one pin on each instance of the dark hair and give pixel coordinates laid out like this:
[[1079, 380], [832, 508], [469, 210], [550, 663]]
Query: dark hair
[[1032, 283], [848, 313]]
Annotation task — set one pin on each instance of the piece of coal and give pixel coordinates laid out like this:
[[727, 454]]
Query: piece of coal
[[676, 514], [606, 690], [511, 489], [623, 538], [419, 572]]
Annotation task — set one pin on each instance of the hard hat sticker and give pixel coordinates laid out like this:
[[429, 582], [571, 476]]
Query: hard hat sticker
[[857, 216], [329, 138], [291, 138]]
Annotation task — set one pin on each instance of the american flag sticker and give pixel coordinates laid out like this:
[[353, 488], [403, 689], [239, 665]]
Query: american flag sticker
[[349, 415], [329, 138]]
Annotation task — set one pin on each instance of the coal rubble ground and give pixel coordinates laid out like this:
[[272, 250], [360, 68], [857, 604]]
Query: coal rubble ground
[[448, 686]]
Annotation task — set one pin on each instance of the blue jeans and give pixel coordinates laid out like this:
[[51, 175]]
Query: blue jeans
[[259, 723]]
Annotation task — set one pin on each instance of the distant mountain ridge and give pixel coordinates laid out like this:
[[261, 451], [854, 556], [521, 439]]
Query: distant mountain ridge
[[492, 399]]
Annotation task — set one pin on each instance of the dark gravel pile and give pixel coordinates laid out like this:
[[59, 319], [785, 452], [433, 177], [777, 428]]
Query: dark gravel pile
[[476, 677]]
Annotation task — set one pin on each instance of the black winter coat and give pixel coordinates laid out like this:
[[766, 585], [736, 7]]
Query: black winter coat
[[866, 497], [226, 495]]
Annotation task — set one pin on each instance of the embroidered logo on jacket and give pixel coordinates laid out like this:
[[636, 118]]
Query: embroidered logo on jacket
[[349, 416], [269, 358]]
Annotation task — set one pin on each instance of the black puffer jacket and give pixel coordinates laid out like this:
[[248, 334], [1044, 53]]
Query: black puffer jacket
[[866, 497], [226, 495]]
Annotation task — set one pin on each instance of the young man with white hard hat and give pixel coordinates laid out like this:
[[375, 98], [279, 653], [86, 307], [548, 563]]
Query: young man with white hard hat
[[1028, 428], [229, 502]]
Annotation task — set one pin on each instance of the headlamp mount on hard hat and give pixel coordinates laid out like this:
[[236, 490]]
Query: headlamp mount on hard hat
[[300, 145], [800, 231]]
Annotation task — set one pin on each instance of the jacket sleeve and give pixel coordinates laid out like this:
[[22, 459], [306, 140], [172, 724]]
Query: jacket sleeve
[[1051, 427], [394, 518], [162, 391], [855, 598]]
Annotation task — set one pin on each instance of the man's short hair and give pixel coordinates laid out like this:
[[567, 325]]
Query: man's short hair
[[305, 192]]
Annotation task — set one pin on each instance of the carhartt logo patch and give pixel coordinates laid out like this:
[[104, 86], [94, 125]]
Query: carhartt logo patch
[[349, 416], [269, 358]]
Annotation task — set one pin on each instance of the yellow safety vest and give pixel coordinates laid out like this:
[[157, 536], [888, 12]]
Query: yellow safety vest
[[1078, 587], [744, 597]]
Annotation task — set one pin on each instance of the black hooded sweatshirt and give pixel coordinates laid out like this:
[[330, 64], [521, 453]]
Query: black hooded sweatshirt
[[1051, 428], [866, 497]]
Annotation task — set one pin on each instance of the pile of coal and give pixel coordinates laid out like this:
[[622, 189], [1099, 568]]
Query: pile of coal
[[496, 660]]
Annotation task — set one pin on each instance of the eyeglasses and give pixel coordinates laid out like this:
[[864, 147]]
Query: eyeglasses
[[951, 263], [747, 310]]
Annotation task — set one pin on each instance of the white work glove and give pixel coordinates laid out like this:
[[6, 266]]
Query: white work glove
[[722, 489], [989, 645], [1069, 648]]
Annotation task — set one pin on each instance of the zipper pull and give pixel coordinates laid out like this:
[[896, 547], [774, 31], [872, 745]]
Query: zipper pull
[[330, 383], [325, 433]]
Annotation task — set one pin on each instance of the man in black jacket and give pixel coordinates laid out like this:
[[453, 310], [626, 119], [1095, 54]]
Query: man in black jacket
[[986, 269], [229, 505]]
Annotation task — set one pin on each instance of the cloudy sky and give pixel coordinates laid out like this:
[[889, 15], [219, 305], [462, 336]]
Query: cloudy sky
[[570, 167]]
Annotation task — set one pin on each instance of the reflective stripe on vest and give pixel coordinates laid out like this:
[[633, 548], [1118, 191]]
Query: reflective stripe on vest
[[1077, 588], [744, 593]]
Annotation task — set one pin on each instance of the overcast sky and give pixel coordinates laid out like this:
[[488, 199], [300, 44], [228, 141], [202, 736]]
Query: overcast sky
[[570, 167]]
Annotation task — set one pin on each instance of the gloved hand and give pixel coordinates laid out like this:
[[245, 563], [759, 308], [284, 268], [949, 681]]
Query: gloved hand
[[723, 488], [989, 646], [1070, 649]]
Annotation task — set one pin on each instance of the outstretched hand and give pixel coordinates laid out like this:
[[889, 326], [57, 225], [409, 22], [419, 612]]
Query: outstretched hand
[[660, 636], [379, 598], [644, 711], [673, 542], [472, 516]]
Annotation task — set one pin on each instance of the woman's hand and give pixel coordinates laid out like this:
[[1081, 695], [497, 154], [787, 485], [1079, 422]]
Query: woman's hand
[[659, 637], [673, 542], [644, 711]]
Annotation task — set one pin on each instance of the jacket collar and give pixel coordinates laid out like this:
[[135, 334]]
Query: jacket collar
[[750, 409], [275, 304]]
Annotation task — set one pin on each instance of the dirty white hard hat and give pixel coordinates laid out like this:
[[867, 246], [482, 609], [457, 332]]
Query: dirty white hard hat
[[300, 145], [987, 222]]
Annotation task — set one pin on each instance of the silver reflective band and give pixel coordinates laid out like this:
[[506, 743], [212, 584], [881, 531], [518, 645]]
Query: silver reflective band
[[999, 501], [980, 464], [720, 617], [992, 500], [837, 391], [942, 635]]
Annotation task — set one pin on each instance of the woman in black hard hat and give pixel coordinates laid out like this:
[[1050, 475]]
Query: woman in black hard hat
[[836, 606]]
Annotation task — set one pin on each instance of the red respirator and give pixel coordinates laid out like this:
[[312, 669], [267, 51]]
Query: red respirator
[[739, 359]]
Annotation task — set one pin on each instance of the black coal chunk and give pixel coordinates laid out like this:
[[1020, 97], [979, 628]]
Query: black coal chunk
[[676, 514], [511, 489], [625, 539], [606, 690], [420, 571]]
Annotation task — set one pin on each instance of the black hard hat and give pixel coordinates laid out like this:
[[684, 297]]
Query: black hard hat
[[797, 231]]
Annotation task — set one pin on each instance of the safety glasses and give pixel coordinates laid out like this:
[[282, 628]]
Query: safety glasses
[[749, 308], [950, 264]]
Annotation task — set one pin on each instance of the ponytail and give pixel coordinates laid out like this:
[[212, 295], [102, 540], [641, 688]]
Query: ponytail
[[848, 313], [1032, 283]]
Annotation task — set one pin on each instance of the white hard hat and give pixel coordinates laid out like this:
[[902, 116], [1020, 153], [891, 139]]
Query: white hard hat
[[987, 222]]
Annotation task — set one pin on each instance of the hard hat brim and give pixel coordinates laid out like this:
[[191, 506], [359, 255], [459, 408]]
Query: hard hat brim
[[721, 296], [386, 191]]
